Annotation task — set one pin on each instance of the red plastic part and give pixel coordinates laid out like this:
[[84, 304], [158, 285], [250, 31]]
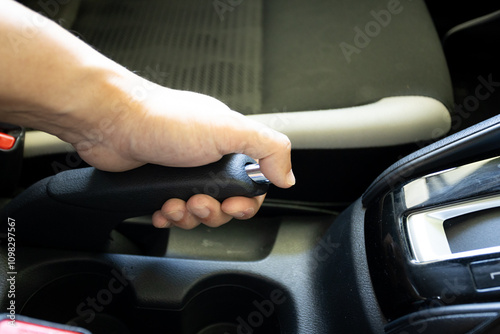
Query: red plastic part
[[21, 327], [6, 141]]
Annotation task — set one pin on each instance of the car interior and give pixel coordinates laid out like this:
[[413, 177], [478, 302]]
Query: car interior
[[394, 223]]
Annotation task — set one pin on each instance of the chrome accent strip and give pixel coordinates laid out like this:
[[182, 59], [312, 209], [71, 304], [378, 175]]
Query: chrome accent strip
[[427, 235], [253, 171]]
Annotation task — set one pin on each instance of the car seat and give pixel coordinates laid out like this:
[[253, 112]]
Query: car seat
[[361, 77]]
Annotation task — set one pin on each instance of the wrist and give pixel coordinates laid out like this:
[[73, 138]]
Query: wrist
[[102, 100], [92, 98]]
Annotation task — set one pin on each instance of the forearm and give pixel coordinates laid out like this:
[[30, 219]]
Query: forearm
[[47, 74]]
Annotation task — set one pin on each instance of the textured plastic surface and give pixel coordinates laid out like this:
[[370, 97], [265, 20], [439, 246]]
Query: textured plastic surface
[[402, 284], [145, 189], [77, 209], [476, 318], [169, 294], [316, 266]]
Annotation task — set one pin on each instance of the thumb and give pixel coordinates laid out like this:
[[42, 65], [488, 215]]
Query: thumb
[[273, 150]]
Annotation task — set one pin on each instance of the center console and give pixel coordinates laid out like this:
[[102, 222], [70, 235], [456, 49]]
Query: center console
[[419, 252]]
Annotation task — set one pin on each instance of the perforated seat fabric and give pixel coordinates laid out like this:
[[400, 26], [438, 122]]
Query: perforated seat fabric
[[302, 55], [183, 44]]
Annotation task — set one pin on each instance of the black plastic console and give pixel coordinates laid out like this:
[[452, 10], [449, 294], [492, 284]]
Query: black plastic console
[[307, 272], [432, 228], [313, 278]]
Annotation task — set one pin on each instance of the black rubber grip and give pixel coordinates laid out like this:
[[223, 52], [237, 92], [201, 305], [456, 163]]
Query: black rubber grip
[[78, 208], [146, 188]]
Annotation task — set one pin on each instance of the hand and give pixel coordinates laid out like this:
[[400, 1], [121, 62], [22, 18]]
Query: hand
[[183, 129]]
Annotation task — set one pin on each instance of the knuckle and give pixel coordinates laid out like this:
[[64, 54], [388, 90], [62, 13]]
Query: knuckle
[[285, 141]]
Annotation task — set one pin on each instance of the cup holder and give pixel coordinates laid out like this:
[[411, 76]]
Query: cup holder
[[232, 309], [103, 301], [98, 302]]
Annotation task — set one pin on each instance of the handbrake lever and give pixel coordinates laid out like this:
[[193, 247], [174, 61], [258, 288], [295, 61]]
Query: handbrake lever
[[77, 209]]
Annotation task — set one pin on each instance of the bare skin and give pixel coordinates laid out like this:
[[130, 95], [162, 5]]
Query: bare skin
[[116, 120]]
